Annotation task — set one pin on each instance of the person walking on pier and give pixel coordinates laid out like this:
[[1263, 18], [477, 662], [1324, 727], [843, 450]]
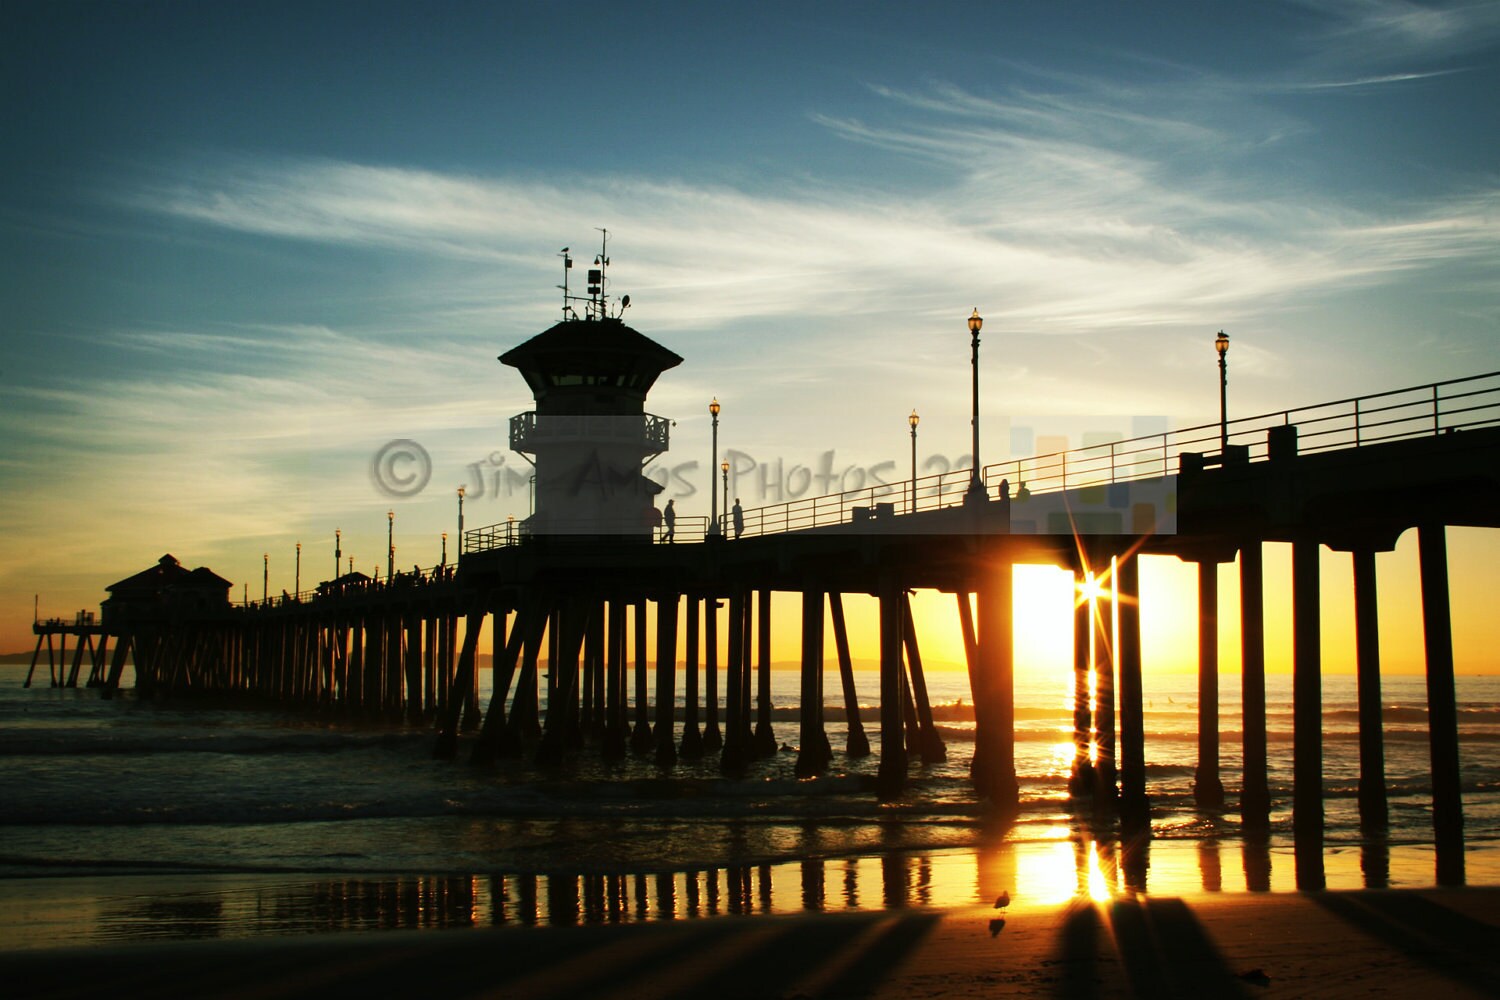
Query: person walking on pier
[[739, 518], [670, 515]]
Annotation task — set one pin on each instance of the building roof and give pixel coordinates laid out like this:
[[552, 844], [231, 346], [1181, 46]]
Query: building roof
[[205, 578], [597, 351], [168, 572]]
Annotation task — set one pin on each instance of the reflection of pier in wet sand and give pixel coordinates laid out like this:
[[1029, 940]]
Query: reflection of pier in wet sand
[[1031, 875], [831, 928]]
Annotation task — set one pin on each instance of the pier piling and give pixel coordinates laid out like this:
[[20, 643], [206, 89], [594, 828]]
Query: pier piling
[[857, 743], [812, 756], [1135, 809], [666, 678], [891, 777], [1255, 791], [765, 736], [1307, 716], [994, 750], [1081, 780], [1442, 707], [692, 737], [1373, 814], [1208, 788], [713, 739]]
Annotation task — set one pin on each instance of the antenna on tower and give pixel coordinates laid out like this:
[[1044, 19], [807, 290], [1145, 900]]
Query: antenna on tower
[[596, 304], [597, 296], [567, 266]]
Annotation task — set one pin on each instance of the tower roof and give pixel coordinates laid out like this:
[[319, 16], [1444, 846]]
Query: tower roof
[[590, 352]]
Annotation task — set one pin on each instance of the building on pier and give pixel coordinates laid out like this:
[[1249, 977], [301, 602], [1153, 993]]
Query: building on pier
[[165, 591], [590, 436]]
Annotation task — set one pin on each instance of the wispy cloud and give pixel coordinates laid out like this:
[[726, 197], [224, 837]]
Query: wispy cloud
[[1382, 32], [1082, 213], [1364, 81]]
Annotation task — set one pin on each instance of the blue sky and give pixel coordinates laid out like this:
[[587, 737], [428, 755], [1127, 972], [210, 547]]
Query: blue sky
[[247, 244]]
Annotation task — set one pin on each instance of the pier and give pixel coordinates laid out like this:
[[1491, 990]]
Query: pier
[[590, 575]]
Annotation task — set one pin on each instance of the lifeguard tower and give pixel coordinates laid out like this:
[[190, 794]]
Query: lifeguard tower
[[590, 436]]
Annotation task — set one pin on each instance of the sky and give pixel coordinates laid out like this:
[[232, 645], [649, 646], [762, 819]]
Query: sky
[[249, 244]]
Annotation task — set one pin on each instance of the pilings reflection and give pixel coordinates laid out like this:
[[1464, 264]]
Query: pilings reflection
[[1087, 862]]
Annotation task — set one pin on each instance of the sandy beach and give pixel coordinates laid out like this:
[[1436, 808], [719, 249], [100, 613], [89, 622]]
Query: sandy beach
[[1391, 943]]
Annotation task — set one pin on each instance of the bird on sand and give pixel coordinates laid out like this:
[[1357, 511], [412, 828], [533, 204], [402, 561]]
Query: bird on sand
[[1002, 900]]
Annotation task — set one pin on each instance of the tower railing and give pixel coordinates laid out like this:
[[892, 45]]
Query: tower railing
[[647, 432]]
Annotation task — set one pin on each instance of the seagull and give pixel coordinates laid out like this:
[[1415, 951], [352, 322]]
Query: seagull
[[1002, 900]]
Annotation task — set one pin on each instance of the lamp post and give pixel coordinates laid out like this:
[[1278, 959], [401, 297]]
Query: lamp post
[[445, 550], [390, 545], [724, 469], [976, 482], [713, 500], [460, 520], [510, 528], [265, 580], [297, 584], [1221, 344], [338, 551], [913, 420]]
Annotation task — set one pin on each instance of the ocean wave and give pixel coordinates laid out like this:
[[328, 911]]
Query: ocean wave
[[101, 742]]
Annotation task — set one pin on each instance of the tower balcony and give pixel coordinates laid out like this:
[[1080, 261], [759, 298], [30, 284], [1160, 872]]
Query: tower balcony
[[645, 433]]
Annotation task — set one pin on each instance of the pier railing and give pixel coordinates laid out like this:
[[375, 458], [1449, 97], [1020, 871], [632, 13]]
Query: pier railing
[[354, 583], [1419, 411]]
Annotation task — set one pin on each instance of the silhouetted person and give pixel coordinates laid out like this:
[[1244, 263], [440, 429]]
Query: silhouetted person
[[1023, 492], [1005, 489], [671, 518], [739, 518]]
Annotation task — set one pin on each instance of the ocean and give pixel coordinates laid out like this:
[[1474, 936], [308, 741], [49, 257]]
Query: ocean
[[132, 819]]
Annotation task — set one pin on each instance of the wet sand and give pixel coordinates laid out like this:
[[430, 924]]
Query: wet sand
[[1368, 943]]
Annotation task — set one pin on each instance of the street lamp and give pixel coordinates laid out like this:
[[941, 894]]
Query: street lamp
[[1221, 344], [297, 586], [724, 468], [976, 483], [713, 519], [460, 520], [338, 551], [445, 550], [390, 545], [265, 580], [914, 420]]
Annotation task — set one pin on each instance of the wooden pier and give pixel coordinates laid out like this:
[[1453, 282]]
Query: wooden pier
[[1352, 475]]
